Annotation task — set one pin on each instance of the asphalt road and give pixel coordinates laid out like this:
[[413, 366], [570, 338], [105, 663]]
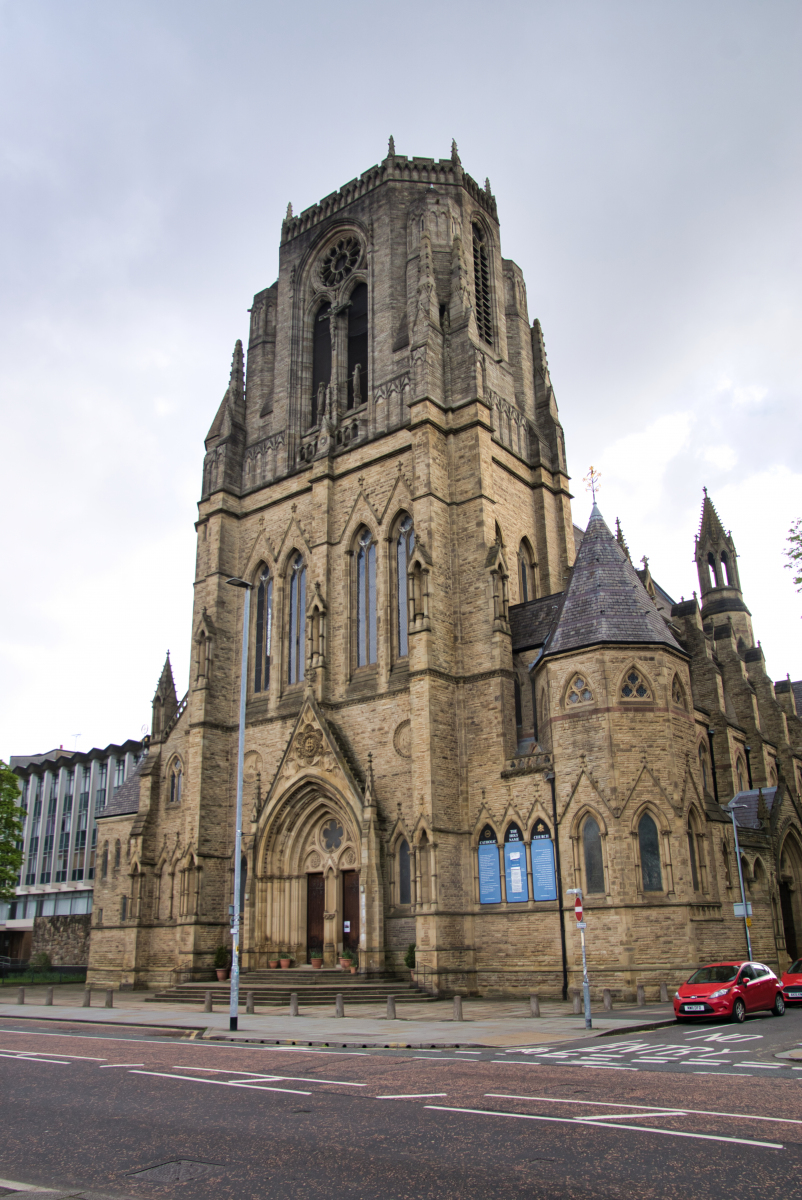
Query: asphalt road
[[690, 1111]]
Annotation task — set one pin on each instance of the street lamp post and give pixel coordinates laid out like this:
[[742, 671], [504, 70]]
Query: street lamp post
[[235, 920], [731, 810]]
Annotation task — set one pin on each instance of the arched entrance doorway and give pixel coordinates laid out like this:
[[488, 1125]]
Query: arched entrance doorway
[[791, 894], [308, 878]]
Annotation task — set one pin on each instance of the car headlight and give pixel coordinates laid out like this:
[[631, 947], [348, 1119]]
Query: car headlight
[[720, 992], [677, 996]]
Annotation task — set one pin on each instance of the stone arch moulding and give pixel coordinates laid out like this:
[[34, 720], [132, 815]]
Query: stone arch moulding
[[578, 683], [664, 838], [288, 833]]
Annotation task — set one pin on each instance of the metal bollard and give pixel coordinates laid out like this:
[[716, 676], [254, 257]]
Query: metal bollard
[[534, 1006], [109, 998], [391, 1008], [20, 995], [577, 1003], [641, 996], [608, 1000], [207, 1002], [664, 993], [249, 1008], [87, 1000], [49, 996], [294, 1004], [458, 1008], [339, 1007]]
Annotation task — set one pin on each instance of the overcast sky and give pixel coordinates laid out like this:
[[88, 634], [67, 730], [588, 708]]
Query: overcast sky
[[646, 162]]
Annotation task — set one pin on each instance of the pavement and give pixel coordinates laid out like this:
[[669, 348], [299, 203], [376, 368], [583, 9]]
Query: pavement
[[486, 1023]]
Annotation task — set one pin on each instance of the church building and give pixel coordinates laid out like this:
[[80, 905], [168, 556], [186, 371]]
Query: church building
[[459, 705]]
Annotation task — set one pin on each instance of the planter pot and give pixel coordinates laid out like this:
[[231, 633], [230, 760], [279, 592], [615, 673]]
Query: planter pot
[[285, 962], [222, 973], [345, 962], [273, 964], [354, 970], [317, 963]]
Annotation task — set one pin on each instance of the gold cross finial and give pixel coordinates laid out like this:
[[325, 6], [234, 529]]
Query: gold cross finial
[[591, 482]]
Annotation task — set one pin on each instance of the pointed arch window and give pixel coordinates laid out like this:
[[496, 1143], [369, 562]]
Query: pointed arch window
[[634, 687], [404, 873], [365, 599], [264, 632], [712, 570], [725, 562], [176, 781], [358, 346], [405, 544], [526, 573], [692, 856], [703, 767], [741, 775], [321, 361], [481, 285], [594, 863], [519, 712], [297, 621], [649, 843], [678, 693], [578, 693]]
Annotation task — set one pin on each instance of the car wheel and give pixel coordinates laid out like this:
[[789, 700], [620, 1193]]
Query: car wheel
[[779, 1005], [739, 1011]]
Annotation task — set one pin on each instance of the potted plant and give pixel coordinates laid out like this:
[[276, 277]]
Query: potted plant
[[273, 964], [222, 961], [285, 963], [316, 959], [350, 959], [409, 958]]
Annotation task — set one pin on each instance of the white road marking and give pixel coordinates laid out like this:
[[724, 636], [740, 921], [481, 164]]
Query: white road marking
[[24, 1187], [470, 1051], [699, 1112], [45, 1054], [600, 1124], [55, 1062], [112, 1066], [262, 1075], [413, 1096], [223, 1083], [765, 1066]]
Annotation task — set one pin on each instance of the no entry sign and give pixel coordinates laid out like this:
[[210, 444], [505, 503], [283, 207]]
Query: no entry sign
[[578, 909]]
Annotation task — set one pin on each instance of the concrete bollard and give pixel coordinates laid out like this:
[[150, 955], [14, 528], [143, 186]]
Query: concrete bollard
[[20, 995], [87, 1000], [339, 1007], [664, 993], [207, 1002], [458, 1008], [641, 996], [608, 1000], [49, 996], [294, 1004], [109, 998], [249, 1006], [534, 1006], [391, 1008], [577, 1003]]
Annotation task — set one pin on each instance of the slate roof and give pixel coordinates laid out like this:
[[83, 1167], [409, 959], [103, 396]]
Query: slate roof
[[531, 623], [747, 817], [605, 601], [126, 799]]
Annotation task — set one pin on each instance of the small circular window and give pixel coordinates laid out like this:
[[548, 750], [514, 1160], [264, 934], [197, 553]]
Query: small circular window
[[332, 834], [340, 260]]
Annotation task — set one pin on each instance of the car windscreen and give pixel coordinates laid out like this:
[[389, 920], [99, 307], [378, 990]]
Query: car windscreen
[[723, 973], [795, 967]]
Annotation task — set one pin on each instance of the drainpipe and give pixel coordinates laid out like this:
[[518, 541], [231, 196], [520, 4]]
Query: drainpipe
[[552, 781], [711, 733], [748, 750]]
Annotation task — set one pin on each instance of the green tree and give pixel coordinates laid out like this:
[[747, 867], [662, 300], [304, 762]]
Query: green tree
[[794, 552], [11, 816]]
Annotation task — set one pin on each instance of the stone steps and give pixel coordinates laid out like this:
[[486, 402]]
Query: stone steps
[[321, 988]]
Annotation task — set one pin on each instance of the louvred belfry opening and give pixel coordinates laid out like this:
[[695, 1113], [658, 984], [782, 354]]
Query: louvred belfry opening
[[481, 285]]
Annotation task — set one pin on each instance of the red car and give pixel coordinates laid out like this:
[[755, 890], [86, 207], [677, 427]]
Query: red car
[[792, 983], [730, 989]]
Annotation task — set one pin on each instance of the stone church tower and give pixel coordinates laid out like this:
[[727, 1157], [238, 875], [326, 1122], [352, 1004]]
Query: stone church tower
[[449, 722]]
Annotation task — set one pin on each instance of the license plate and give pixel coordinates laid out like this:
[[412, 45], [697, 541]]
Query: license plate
[[694, 1007], [794, 995]]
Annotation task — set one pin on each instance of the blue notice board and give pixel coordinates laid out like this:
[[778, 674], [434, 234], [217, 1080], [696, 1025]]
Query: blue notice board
[[515, 871], [544, 879], [489, 874]]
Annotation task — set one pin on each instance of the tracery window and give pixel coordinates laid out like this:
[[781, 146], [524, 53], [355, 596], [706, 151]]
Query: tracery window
[[321, 361], [365, 598], [358, 346], [403, 552], [579, 692], [176, 781], [634, 688], [297, 621], [481, 286], [692, 856], [703, 767], [649, 843], [741, 775], [404, 873], [264, 632], [678, 693], [526, 573], [594, 863]]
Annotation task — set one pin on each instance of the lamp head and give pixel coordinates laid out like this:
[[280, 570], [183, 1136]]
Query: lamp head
[[240, 583]]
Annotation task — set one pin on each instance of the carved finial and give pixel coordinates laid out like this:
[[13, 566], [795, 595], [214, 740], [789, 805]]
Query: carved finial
[[619, 537], [361, 481], [391, 147], [289, 212], [694, 595], [591, 482], [293, 508], [704, 489], [454, 152], [487, 185], [645, 562]]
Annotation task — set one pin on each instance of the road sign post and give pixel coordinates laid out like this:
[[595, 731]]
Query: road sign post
[[581, 925]]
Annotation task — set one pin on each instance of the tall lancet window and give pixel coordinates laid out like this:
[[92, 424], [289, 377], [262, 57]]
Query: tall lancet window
[[481, 285], [358, 346], [264, 632], [404, 547], [365, 599], [297, 622], [321, 361]]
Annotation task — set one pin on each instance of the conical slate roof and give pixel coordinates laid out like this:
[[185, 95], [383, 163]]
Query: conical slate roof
[[605, 601]]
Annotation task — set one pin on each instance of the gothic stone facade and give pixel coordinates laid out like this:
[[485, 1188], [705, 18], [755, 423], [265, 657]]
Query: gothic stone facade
[[430, 671]]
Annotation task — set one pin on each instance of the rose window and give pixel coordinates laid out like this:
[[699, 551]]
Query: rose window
[[332, 834], [579, 692], [634, 687], [340, 260]]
